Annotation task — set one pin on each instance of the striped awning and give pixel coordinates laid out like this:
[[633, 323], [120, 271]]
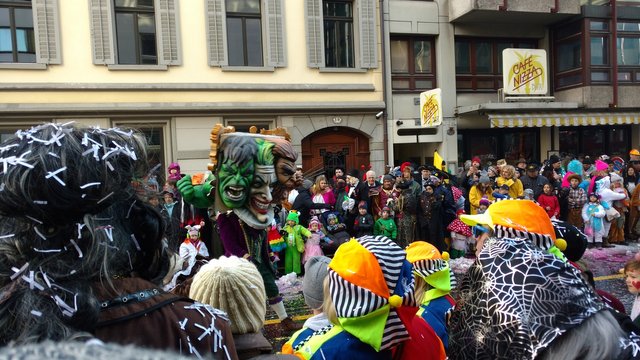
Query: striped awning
[[540, 120]]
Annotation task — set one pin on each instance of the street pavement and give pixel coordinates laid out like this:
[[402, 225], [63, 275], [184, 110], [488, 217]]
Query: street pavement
[[605, 264]]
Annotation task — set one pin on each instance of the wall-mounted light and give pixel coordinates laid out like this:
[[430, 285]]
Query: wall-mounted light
[[451, 131], [399, 122]]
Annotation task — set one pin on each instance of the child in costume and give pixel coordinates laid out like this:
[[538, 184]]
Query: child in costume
[[193, 245], [363, 224], [337, 232], [370, 301], [433, 285], [312, 247], [616, 233], [484, 204], [296, 235], [576, 199], [593, 214], [385, 225], [461, 237], [549, 201]]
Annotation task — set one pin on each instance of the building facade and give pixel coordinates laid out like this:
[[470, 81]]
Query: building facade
[[593, 65], [175, 68]]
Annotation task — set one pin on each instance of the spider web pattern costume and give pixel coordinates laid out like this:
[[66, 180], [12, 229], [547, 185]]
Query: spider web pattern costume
[[515, 300]]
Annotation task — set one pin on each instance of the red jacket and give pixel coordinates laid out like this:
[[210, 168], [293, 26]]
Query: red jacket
[[550, 202]]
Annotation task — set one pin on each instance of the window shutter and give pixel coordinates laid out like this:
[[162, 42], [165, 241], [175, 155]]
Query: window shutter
[[101, 12], [216, 32], [167, 32], [315, 36], [46, 29], [368, 39], [276, 47]]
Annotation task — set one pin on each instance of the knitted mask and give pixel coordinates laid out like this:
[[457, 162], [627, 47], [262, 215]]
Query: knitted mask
[[515, 300], [368, 279]]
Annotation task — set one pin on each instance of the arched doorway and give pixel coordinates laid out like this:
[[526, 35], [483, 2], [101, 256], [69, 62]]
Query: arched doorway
[[326, 149]]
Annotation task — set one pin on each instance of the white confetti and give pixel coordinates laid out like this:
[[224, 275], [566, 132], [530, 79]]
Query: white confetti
[[105, 198], [33, 219], [129, 211], [18, 272], [75, 245], [183, 323], [89, 184], [47, 250], [35, 228], [135, 241], [53, 154], [54, 175], [36, 313], [40, 202], [32, 281], [7, 236], [109, 165]]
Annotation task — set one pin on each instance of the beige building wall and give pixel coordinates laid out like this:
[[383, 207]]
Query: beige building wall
[[186, 100]]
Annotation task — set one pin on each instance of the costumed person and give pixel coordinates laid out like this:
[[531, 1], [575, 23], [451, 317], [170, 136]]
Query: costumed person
[[546, 311], [461, 237], [174, 172], [616, 233], [385, 225], [244, 166], [295, 235], [387, 196], [276, 242], [430, 216], [315, 272], [483, 205], [433, 285], [549, 201], [312, 247], [358, 191], [576, 200], [370, 301], [193, 246], [363, 224], [82, 255], [607, 197], [337, 232], [593, 214], [235, 286]]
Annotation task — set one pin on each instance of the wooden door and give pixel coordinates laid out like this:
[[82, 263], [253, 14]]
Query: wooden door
[[326, 149]]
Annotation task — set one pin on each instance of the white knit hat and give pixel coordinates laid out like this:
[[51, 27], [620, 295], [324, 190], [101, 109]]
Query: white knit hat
[[235, 286]]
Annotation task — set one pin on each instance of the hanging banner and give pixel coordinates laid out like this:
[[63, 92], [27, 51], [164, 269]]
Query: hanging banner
[[431, 108], [524, 71]]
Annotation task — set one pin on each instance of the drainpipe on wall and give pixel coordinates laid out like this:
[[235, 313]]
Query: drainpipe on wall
[[504, 6], [614, 52], [383, 56]]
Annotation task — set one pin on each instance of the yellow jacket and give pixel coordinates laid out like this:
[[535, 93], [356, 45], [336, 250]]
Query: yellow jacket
[[516, 190]]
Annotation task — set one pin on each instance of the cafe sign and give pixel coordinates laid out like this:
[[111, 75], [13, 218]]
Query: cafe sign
[[524, 72], [431, 108]]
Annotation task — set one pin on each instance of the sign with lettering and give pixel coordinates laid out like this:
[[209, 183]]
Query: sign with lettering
[[431, 108], [524, 72]]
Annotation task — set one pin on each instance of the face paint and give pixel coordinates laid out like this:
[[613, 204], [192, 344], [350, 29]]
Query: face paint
[[632, 279]]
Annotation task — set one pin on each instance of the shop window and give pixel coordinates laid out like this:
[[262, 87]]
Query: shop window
[[492, 144], [595, 140]]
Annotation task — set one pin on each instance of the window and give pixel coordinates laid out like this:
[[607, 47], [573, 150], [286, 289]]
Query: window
[[135, 32], [246, 33], [338, 33], [568, 69], [595, 140], [244, 124], [412, 64], [479, 62], [28, 36], [341, 34], [509, 144]]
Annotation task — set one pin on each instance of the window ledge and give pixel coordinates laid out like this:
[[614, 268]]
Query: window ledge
[[117, 67], [249, 68], [343, 70], [25, 66]]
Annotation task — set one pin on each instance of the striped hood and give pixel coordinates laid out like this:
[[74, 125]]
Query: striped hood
[[369, 278]]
